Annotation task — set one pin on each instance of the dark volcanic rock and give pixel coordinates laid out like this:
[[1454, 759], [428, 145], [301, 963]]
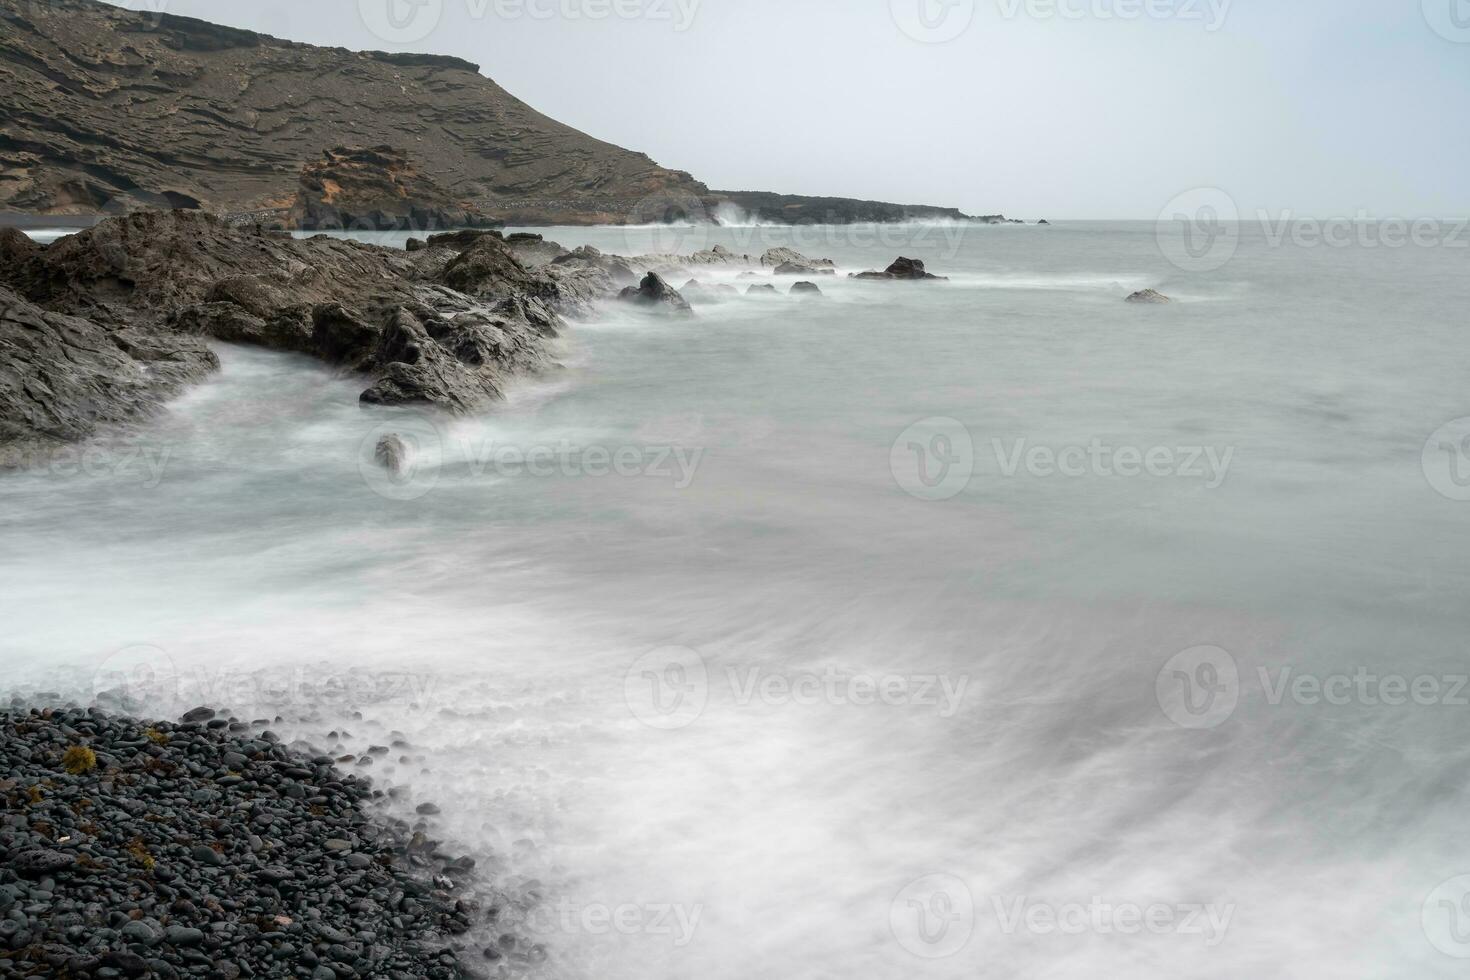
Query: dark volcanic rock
[[195, 851], [102, 324], [653, 292], [104, 109], [63, 376], [615, 267], [902, 268], [377, 188], [793, 261], [795, 209], [391, 453], [1148, 296], [805, 289], [456, 241]]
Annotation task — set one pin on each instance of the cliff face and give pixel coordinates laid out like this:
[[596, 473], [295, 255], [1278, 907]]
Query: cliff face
[[107, 110]]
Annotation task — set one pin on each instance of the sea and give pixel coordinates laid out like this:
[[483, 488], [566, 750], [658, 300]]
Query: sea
[[990, 626]]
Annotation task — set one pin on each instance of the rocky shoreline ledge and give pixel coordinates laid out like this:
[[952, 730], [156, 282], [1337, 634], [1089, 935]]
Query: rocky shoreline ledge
[[102, 326], [206, 848]]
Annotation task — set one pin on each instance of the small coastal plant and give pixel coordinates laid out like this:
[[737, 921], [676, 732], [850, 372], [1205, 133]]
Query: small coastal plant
[[79, 759]]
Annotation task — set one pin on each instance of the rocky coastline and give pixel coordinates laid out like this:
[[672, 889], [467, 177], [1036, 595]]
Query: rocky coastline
[[205, 847], [103, 326], [107, 110]]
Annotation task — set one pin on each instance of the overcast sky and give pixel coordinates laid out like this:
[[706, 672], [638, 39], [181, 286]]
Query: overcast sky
[[1036, 108]]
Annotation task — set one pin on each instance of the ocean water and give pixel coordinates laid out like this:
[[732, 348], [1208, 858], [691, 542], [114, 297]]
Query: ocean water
[[990, 627]]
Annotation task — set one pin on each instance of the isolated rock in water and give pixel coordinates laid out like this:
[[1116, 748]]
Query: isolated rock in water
[[750, 275], [653, 291], [789, 256], [902, 268], [762, 289], [376, 188], [1043, 221], [707, 291], [797, 269], [1148, 296], [805, 289], [392, 453]]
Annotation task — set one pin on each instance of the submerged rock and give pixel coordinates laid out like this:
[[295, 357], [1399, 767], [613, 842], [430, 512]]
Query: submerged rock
[[902, 268], [1148, 296], [805, 289], [708, 291], [392, 454], [654, 292], [762, 289]]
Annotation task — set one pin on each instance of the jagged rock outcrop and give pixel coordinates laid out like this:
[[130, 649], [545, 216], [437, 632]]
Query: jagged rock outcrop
[[102, 325], [587, 257], [656, 294], [1148, 296], [902, 268], [779, 258], [377, 189], [63, 376]]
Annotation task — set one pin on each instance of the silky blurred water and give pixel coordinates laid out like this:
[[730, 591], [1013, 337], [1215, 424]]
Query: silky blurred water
[[624, 619]]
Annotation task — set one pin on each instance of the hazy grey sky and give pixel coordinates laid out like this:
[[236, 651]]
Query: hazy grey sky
[[1037, 108]]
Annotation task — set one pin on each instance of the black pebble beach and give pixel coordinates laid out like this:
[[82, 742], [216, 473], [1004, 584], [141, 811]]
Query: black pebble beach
[[206, 848]]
